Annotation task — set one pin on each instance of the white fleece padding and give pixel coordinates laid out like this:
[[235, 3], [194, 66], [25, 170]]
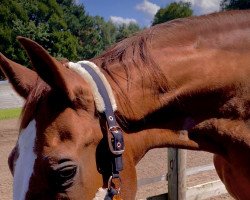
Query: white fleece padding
[[101, 194], [100, 106]]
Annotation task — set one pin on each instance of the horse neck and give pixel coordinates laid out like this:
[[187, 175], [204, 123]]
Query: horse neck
[[139, 113], [148, 102]]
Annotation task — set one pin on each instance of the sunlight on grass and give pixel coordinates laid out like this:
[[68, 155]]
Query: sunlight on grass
[[10, 113]]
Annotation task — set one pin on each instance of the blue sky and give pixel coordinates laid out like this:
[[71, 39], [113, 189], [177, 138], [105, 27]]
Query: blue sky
[[140, 11]]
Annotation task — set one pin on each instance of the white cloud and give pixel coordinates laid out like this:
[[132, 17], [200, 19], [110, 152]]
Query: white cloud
[[210, 6], [205, 6], [120, 20], [148, 8]]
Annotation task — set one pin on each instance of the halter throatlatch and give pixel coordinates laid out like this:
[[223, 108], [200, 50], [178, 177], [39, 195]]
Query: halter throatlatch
[[105, 104]]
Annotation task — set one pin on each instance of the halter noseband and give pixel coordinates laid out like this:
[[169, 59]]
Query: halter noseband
[[106, 105]]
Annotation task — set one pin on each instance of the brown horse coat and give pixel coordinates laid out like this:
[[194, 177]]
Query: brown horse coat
[[192, 71]]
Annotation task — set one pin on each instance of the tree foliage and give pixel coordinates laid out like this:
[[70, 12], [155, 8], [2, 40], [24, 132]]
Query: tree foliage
[[61, 26], [126, 30], [173, 11], [235, 4]]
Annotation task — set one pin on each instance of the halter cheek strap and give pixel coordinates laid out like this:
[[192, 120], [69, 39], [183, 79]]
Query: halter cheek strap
[[105, 104]]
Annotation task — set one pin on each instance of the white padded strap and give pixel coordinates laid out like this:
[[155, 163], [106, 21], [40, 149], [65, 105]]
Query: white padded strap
[[100, 106], [101, 194]]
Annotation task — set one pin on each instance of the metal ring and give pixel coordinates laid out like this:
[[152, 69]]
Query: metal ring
[[110, 182], [118, 145], [111, 118]]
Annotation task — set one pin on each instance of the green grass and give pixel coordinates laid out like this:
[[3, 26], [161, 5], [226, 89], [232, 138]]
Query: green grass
[[10, 113]]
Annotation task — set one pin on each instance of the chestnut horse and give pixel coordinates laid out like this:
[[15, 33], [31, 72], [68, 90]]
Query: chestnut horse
[[193, 71]]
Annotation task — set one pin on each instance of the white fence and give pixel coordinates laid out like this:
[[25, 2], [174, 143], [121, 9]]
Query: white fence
[[176, 177], [177, 172], [8, 97]]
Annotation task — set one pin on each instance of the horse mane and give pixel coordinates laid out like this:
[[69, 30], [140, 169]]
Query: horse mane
[[135, 51]]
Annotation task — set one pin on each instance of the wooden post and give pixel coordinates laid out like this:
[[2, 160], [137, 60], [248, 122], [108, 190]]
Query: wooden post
[[176, 174]]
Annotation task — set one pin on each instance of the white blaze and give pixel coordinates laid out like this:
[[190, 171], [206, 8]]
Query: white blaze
[[25, 161]]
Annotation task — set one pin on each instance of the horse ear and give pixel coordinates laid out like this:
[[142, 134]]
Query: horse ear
[[20, 77], [49, 69]]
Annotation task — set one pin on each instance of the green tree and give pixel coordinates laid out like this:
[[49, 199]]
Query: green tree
[[235, 4], [124, 31], [106, 30], [57, 25], [60, 26], [173, 11], [39, 33], [30, 18]]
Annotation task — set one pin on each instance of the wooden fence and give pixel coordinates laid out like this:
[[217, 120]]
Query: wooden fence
[[177, 173], [176, 177]]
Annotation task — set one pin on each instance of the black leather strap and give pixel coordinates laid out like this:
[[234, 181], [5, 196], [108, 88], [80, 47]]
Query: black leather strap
[[115, 136]]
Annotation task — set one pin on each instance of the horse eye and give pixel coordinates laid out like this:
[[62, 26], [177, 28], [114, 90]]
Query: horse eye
[[63, 174], [67, 172]]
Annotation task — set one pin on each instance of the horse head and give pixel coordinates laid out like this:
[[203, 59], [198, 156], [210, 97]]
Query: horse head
[[61, 152]]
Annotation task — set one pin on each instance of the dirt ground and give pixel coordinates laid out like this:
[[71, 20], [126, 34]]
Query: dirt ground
[[154, 164]]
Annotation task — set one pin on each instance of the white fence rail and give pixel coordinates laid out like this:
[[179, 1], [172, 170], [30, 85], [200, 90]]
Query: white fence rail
[[8, 97], [176, 177], [177, 172], [205, 190]]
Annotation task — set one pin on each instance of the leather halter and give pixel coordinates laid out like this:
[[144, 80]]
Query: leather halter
[[114, 132]]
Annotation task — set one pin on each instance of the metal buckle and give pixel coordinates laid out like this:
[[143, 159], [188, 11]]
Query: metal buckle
[[114, 129], [110, 184]]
